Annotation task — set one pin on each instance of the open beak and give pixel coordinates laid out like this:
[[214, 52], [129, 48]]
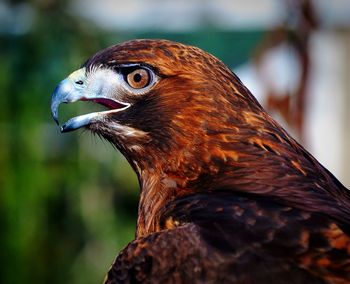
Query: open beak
[[74, 88]]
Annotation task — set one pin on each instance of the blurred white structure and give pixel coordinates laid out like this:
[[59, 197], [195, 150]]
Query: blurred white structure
[[327, 121], [183, 15]]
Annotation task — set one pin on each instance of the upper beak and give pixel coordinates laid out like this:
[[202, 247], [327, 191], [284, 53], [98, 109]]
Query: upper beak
[[70, 90], [63, 93]]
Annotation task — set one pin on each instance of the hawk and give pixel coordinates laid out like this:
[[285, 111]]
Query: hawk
[[226, 195]]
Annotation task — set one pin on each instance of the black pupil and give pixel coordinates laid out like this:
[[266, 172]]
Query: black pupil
[[137, 77]]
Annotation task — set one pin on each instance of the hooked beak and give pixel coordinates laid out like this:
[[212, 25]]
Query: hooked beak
[[74, 89]]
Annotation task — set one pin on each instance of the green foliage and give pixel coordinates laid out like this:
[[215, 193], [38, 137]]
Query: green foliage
[[67, 206]]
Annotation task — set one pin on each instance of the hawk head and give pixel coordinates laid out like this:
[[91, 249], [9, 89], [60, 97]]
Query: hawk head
[[162, 98]]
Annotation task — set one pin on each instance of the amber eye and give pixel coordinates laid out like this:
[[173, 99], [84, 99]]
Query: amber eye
[[138, 78]]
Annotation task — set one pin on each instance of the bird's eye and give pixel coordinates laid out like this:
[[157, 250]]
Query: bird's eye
[[138, 78]]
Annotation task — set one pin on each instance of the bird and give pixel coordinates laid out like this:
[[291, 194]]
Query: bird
[[226, 194]]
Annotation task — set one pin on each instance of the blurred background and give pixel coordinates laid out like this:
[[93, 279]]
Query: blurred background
[[68, 203]]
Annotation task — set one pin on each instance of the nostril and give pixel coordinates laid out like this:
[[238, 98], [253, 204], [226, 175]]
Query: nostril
[[80, 82]]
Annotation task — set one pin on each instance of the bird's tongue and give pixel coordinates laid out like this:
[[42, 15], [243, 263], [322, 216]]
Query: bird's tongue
[[108, 103]]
